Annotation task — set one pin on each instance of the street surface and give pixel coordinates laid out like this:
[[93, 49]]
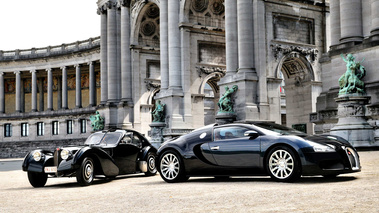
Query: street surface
[[357, 192]]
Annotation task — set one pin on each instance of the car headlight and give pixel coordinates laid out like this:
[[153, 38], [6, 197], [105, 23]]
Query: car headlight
[[37, 155], [65, 154], [322, 148]]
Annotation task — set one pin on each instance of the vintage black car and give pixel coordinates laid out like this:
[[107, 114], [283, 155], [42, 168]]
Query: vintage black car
[[107, 153], [254, 149]]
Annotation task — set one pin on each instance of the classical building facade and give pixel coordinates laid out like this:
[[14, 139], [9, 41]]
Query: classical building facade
[[354, 28], [185, 53]]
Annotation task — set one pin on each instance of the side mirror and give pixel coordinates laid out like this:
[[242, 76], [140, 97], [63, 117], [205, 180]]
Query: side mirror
[[252, 134]]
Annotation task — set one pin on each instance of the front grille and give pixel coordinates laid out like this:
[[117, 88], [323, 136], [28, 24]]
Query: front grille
[[57, 157], [353, 158]]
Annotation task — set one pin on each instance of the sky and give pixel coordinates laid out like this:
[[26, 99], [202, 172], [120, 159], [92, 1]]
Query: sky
[[25, 24]]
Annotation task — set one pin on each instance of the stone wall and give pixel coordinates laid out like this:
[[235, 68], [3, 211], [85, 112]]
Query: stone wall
[[18, 149]]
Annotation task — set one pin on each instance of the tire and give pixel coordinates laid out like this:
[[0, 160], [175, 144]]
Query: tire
[[37, 179], [85, 174], [151, 168], [283, 165], [171, 167]]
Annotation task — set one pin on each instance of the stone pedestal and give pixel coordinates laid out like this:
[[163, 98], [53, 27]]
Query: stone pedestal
[[156, 133], [225, 117], [352, 124]]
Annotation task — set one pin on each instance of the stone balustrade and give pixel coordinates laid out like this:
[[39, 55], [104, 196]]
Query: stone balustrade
[[50, 50]]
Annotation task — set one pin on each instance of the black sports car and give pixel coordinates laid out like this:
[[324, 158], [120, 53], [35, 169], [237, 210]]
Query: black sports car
[[105, 153], [254, 149]]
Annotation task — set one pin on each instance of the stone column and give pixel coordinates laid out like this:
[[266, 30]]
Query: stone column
[[41, 95], [59, 92], [112, 53], [335, 23], [245, 36], [92, 84], [78, 87], [118, 53], [351, 21], [103, 55], [34, 90], [126, 69], [174, 46], [18, 91], [64, 88], [2, 93], [231, 36], [374, 18], [164, 44], [49, 89]]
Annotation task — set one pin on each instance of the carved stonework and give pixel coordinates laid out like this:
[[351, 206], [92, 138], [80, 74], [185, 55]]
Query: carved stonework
[[200, 5], [152, 84], [217, 7], [208, 70], [280, 50], [152, 11], [148, 28]]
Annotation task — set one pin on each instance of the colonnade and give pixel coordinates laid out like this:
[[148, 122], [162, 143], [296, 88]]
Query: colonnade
[[62, 88], [346, 21], [115, 55]]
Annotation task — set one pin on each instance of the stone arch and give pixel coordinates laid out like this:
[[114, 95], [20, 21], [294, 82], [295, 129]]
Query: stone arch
[[204, 12], [300, 88], [145, 27], [211, 94]]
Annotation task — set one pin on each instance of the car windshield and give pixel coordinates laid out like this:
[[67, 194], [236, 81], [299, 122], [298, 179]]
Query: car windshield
[[280, 129], [104, 139], [94, 138]]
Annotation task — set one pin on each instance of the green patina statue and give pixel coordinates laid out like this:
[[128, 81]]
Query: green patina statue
[[158, 113], [350, 82], [97, 121], [225, 103]]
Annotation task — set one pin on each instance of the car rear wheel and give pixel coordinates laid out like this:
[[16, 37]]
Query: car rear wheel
[[37, 179], [171, 167], [85, 174], [282, 164], [151, 168]]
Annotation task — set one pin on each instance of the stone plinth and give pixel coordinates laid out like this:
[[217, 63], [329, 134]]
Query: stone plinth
[[225, 117], [352, 123], [156, 133]]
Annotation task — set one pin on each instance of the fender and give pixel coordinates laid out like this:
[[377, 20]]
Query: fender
[[29, 164], [145, 151], [101, 159]]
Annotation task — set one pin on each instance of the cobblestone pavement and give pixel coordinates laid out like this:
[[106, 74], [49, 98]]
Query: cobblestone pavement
[[357, 192]]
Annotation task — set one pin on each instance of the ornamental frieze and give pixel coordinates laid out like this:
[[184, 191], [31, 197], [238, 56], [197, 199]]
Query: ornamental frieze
[[280, 50], [152, 84], [209, 70]]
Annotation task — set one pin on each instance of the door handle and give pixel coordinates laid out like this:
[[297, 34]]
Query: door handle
[[215, 148]]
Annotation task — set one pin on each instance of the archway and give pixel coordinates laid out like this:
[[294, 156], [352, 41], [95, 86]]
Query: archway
[[300, 91]]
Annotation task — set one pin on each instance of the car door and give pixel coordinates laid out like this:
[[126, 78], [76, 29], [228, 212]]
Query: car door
[[125, 154], [233, 149]]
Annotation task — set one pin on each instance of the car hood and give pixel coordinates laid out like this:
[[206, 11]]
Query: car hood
[[328, 139]]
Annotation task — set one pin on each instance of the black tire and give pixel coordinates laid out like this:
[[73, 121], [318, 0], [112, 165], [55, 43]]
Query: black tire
[[171, 167], [86, 173], [151, 168], [37, 179], [283, 165]]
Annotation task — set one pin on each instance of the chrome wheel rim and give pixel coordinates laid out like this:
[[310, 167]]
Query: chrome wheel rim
[[151, 163], [88, 171], [281, 164], [170, 166]]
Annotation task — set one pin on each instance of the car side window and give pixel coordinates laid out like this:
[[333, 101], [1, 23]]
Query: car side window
[[225, 133]]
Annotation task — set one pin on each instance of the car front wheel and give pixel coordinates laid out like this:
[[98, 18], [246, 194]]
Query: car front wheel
[[85, 174], [282, 164], [37, 179], [171, 167]]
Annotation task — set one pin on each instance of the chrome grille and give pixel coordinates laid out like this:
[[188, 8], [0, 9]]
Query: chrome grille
[[353, 158], [57, 157]]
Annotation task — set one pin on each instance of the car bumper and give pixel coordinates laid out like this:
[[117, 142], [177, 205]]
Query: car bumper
[[344, 160]]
